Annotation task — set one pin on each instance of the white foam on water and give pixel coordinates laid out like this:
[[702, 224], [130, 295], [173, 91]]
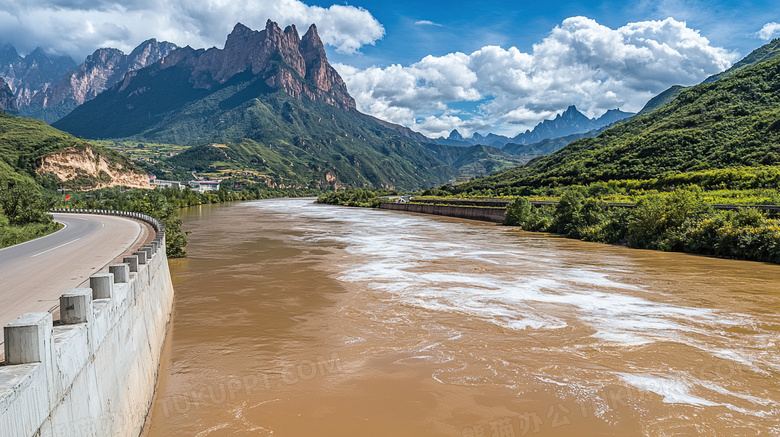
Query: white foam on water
[[673, 390], [392, 253], [444, 267], [677, 390]]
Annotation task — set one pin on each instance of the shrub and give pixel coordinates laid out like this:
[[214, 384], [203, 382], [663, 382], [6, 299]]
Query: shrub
[[657, 217]]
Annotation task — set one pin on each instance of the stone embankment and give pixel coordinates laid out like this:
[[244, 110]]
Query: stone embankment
[[485, 214]]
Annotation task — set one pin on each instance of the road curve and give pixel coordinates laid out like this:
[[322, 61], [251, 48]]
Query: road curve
[[33, 275]]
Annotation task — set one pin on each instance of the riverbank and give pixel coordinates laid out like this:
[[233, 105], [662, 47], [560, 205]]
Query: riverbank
[[681, 220], [485, 214]]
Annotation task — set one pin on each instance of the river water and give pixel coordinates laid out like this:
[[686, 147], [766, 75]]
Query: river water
[[296, 319]]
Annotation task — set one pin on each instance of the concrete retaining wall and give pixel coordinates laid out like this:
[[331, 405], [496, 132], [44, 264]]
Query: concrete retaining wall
[[94, 372], [494, 215]]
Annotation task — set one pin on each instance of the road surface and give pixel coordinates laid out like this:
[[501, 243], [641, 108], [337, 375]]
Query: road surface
[[33, 275]]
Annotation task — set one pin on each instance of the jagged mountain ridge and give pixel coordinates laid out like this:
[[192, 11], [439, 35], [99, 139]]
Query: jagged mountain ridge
[[28, 75], [48, 87], [100, 71], [570, 122], [251, 64], [286, 61]]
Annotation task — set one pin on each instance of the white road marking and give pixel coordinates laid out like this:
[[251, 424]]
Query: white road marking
[[49, 250], [64, 225]]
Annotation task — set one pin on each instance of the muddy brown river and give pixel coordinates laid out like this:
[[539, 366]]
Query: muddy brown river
[[296, 319]]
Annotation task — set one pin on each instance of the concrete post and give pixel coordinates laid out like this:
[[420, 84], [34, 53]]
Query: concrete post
[[76, 306], [149, 251], [102, 285], [141, 256], [132, 262], [27, 337], [121, 272]]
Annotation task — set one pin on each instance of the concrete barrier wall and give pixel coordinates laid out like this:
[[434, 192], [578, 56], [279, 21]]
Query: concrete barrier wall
[[494, 215], [94, 372]]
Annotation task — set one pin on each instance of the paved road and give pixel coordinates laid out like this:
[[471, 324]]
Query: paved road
[[33, 275]]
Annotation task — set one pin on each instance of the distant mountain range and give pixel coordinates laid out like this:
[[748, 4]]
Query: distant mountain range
[[730, 122], [31, 74], [48, 87], [569, 122], [268, 102]]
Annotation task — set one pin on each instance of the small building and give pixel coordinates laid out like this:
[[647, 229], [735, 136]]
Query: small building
[[203, 186], [167, 184]]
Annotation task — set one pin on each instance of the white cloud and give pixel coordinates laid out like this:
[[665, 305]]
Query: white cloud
[[580, 62], [427, 23], [769, 31], [78, 27]]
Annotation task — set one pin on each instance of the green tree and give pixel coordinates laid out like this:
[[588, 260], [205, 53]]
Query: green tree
[[519, 213], [24, 203]]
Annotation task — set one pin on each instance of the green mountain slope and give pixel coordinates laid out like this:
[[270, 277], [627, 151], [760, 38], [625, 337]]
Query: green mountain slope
[[476, 160], [732, 122], [26, 143], [307, 143], [764, 53], [663, 99], [761, 54]]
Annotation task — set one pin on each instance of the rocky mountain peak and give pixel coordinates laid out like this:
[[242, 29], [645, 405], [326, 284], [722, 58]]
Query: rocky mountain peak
[[573, 115], [7, 99], [37, 55], [148, 52], [291, 31], [8, 54], [455, 136], [282, 57], [238, 36], [31, 74], [312, 48], [271, 27]]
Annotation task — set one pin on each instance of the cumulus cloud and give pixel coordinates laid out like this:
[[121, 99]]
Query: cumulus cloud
[[78, 27], [769, 31], [427, 23], [580, 62]]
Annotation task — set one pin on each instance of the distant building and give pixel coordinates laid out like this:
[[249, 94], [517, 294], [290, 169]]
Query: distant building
[[167, 184], [203, 186]]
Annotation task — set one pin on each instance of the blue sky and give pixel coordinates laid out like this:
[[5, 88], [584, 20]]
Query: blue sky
[[468, 25], [434, 66]]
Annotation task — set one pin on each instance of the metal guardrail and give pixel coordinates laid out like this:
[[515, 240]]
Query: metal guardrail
[[157, 225]]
